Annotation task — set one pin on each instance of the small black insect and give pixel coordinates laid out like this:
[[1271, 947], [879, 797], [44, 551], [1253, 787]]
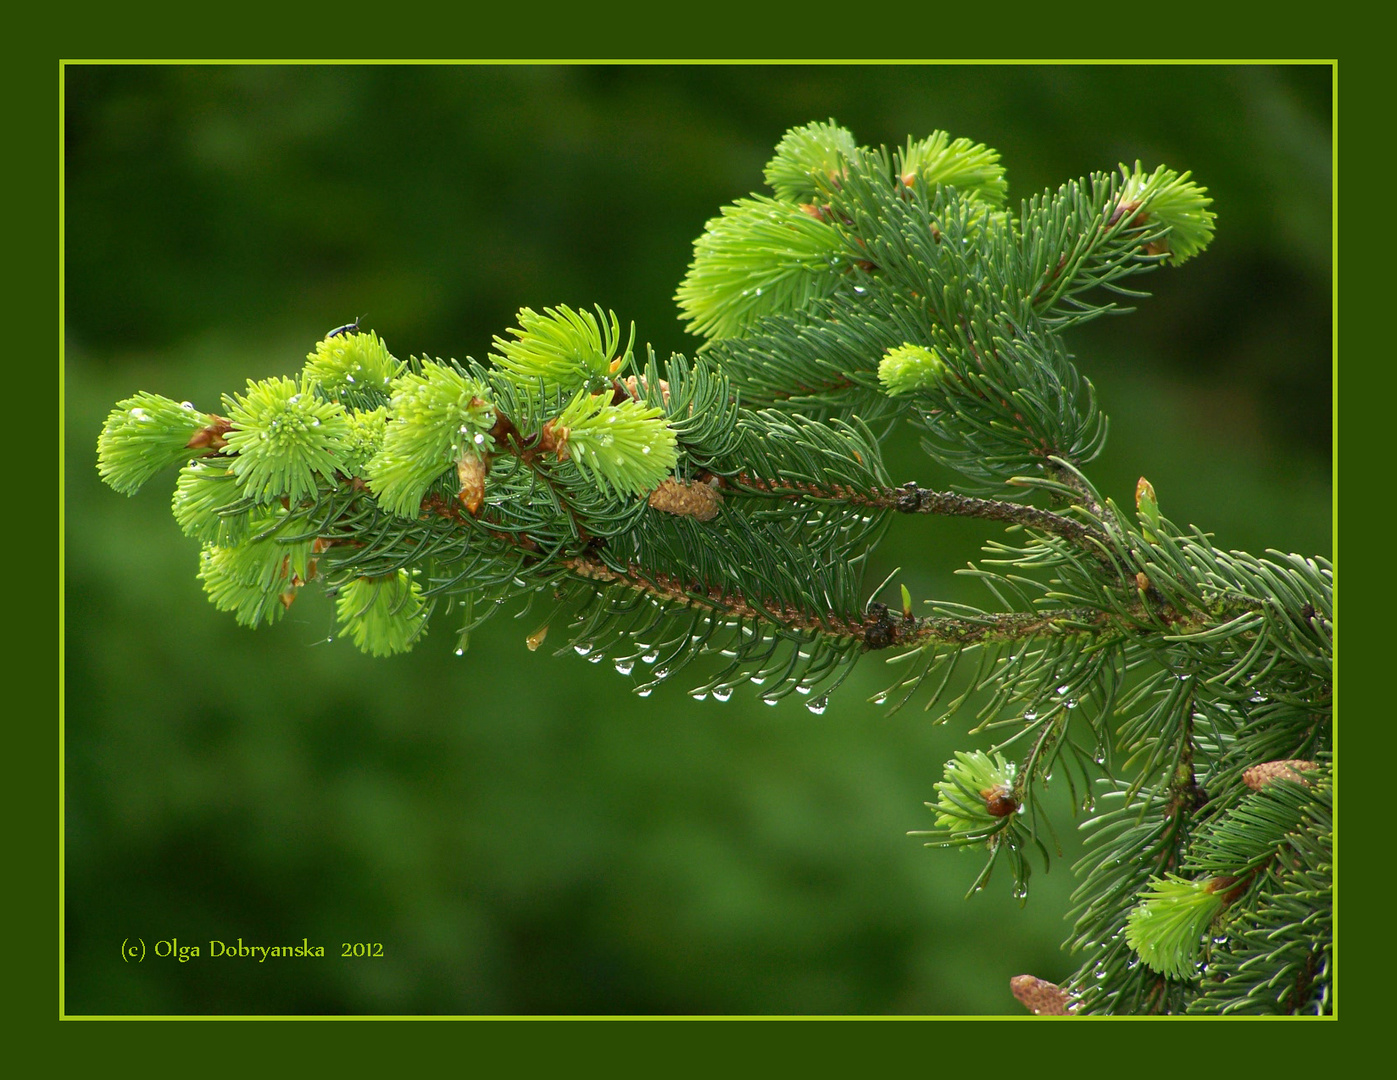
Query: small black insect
[[347, 328]]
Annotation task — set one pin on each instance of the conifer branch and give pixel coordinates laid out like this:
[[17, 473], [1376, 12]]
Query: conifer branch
[[728, 505]]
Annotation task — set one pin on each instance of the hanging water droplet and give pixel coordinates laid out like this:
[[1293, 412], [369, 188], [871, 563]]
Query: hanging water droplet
[[770, 701], [596, 658], [1063, 689], [699, 695], [651, 657], [802, 689], [582, 649], [1020, 890], [624, 666], [460, 652], [479, 440], [350, 378], [662, 673], [881, 698], [818, 706], [1070, 703], [758, 680], [646, 691], [1030, 715], [722, 693]]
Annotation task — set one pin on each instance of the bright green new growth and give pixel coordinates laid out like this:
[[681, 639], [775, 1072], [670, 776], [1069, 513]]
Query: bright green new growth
[[761, 257], [1166, 928], [971, 168], [383, 616], [145, 435], [723, 509], [283, 437], [1176, 204], [964, 797], [910, 367], [807, 160], [256, 580], [435, 417], [348, 366], [564, 349]]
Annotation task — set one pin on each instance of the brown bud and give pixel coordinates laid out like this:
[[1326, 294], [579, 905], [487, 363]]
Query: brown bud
[[1258, 776], [210, 437], [696, 499], [534, 640], [1041, 997], [636, 387], [1142, 581], [470, 471], [553, 437], [1000, 801]]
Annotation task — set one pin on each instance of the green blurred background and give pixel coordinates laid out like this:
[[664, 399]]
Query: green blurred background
[[521, 833]]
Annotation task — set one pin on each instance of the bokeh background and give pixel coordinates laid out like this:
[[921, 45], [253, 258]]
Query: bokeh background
[[521, 833]]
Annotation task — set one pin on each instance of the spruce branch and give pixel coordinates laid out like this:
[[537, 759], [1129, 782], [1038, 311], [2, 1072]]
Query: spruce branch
[[727, 507]]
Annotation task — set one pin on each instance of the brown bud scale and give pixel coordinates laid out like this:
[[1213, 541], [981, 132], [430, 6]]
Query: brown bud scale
[[1258, 776], [696, 499], [1041, 997]]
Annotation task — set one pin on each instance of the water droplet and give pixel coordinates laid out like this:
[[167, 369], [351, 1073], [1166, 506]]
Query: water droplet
[[350, 378], [582, 649], [699, 695], [460, 652], [662, 673], [650, 657], [880, 699], [1063, 689], [1030, 715], [860, 289], [1070, 703], [758, 680], [186, 404], [802, 689], [645, 691], [1020, 891], [818, 706], [479, 440], [770, 701], [645, 449], [596, 658], [722, 693], [624, 666]]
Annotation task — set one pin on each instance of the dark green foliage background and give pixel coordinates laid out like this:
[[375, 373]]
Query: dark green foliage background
[[519, 832]]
